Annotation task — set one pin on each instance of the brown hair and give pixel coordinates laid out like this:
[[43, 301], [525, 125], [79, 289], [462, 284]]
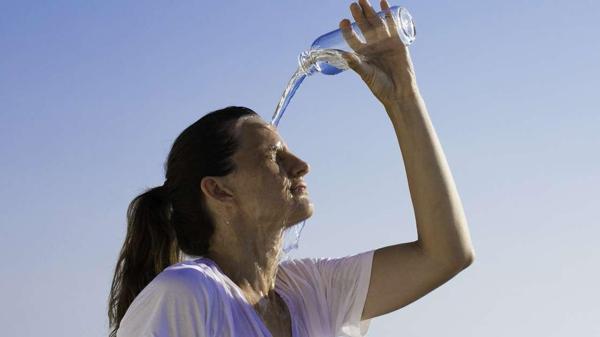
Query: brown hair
[[166, 220]]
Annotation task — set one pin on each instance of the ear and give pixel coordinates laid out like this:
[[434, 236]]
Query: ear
[[215, 188]]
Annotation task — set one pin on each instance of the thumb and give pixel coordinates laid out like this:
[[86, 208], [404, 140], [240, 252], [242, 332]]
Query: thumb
[[353, 60], [359, 64]]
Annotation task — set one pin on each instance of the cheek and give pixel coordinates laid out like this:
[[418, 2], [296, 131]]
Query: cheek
[[268, 203], [266, 188], [266, 185], [275, 193]]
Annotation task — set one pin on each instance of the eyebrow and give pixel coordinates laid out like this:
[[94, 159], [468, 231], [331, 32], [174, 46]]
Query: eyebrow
[[277, 146]]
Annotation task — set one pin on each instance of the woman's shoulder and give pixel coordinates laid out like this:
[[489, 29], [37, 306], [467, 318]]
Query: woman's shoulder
[[181, 292], [187, 277]]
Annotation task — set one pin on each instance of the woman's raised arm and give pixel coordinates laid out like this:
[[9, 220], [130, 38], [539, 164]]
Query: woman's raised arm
[[404, 272]]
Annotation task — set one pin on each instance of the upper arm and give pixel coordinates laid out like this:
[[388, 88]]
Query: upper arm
[[401, 274]]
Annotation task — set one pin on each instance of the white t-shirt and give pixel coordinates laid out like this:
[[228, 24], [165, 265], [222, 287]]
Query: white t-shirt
[[325, 297]]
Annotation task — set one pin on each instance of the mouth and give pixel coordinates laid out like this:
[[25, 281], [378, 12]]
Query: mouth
[[299, 188]]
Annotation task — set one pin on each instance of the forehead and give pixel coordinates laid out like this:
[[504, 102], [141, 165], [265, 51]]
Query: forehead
[[256, 134]]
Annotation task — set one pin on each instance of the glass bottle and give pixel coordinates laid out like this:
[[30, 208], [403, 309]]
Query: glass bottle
[[323, 55]]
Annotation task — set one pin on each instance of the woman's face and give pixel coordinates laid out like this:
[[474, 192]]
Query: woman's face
[[266, 171]]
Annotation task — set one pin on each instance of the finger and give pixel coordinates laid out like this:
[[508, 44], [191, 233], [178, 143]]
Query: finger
[[389, 19], [350, 36], [374, 20], [361, 21]]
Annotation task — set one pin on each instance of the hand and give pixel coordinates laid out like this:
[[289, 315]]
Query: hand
[[385, 65]]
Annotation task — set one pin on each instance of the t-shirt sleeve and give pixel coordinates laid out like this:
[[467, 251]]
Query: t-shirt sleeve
[[345, 281], [172, 305]]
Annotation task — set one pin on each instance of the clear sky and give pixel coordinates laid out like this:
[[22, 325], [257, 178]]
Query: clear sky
[[93, 93]]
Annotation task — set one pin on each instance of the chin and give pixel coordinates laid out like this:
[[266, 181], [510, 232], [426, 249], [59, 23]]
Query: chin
[[302, 213]]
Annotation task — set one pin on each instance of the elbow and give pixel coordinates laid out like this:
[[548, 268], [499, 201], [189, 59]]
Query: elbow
[[458, 258], [469, 259], [461, 260], [454, 263], [466, 259]]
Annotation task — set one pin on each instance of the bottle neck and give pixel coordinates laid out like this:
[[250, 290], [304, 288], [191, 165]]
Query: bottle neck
[[306, 63]]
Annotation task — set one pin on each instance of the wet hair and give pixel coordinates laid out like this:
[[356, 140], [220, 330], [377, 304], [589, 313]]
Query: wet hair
[[165, 221]]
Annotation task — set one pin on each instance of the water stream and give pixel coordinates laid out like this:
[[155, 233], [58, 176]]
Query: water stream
[[325, 61]]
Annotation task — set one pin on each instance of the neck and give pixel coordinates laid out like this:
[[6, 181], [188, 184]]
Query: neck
[[248, 257]]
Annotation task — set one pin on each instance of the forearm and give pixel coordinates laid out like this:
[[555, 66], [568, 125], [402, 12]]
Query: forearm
[[441, 223]]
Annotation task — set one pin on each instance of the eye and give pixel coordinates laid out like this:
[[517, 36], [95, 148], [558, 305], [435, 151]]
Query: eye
[[273, 154]]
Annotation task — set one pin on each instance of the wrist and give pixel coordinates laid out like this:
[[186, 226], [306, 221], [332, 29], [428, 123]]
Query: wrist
[[406, 100]]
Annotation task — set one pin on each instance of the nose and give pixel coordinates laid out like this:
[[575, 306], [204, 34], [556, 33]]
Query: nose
[[300, 167]]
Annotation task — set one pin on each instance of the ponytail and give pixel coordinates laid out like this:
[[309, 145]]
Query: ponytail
[[168, 221], [150, 246]]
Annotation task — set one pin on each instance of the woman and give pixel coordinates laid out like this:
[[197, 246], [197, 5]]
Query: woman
[[232, 187]]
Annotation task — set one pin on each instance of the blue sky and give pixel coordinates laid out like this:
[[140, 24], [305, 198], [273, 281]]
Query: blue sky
[[93, 93]]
